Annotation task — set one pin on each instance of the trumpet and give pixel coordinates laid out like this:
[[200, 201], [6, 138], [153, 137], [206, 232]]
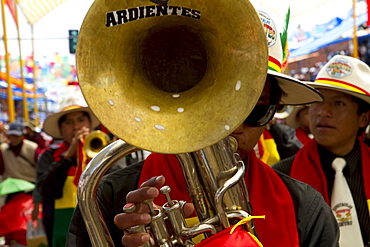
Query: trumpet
[[95, 142]]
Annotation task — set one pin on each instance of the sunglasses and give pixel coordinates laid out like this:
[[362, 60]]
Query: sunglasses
[[261, 115]]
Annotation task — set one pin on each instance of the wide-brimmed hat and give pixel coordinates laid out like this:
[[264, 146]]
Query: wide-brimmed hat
[[51, 126], [345, 74], [291, 120], [283, 111], [30, 125], [297, 92]]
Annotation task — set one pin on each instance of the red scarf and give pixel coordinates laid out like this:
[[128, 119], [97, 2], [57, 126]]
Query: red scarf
[[81, 160], [302, 136], [307, 168], [268, 194]]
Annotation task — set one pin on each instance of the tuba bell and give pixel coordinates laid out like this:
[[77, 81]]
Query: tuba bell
[[177, 78]]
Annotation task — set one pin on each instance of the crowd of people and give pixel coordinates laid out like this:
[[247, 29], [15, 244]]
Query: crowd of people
[[307, 173], [51, 158]]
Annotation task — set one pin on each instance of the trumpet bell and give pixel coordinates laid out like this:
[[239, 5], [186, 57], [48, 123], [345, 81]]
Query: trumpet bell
[[178, 73], [95, 142]]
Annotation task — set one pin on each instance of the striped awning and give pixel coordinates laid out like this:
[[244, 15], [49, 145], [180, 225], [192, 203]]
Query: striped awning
[[34, 10]]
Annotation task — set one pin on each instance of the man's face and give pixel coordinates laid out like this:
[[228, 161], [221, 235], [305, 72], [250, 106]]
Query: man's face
[[74, 121], [15, 140], [303, 119], [335, 122], [246, 135], [28, 131]]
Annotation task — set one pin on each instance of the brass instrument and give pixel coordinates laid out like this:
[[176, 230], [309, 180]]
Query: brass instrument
[[95, 142], [175, 78]]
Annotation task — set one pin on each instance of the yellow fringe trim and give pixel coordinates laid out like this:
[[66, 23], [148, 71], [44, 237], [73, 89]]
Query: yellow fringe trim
[[246, 220]]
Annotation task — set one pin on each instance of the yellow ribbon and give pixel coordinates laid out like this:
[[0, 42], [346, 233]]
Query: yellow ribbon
[[244, 221]]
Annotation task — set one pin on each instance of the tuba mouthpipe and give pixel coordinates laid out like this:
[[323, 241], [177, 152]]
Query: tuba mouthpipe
[[219, 195], [87, 187]]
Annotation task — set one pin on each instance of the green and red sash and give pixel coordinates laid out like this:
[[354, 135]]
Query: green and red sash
[[307, 168], [64, 207], [268, 195]]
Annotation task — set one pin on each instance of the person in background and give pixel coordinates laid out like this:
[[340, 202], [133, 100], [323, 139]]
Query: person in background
[[59, 169], [33, 135], [18, 158], [296, 214], [299, 120], [336, 124], [3, 137]]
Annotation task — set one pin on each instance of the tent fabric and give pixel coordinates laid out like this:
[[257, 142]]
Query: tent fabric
[[298, 7], [34, 10], [329, 37]]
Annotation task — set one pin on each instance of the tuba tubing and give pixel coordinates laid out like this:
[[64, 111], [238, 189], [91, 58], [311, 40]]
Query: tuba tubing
[[87, 188], [214, 176]]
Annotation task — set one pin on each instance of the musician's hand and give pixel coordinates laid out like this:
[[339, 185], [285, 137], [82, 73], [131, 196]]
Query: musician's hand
[[78, 135], [148, 190]]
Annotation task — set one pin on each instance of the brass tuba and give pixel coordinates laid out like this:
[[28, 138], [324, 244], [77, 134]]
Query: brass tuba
[[175, 77]]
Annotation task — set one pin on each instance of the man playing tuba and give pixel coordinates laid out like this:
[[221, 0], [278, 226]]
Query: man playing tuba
[[295, 214]]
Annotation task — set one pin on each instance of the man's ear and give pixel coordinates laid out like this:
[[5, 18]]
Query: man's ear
[[364, 119]]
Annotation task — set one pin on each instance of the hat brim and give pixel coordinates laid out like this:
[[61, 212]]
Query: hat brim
[[51, 126], [291, 120], [14, 132], [316, 85], [297, 92], [30, 126]]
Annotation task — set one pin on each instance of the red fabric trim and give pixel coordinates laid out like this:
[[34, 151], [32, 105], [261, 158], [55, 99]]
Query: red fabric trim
[[302, 136], [11, 6], [342, 82], [104, 129], [81, 161], [275, 61], [368, 12], [306, 167], [239, 238], [57, 156], [268, 194]]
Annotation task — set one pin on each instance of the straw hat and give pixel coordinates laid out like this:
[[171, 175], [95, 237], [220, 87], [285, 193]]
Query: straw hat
[[30, 125], [51, 126], [347, 75], [297, 92]]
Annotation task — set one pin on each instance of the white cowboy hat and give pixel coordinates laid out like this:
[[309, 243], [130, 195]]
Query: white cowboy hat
[[51, 126], [347, 75], [297, 92], [284, 112], [291, 120]]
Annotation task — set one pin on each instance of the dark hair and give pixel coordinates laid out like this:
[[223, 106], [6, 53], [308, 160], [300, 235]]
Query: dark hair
[[64, 118], [276, 93], [363, 107]]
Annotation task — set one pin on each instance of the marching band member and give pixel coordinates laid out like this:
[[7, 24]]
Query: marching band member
[[59, 169]]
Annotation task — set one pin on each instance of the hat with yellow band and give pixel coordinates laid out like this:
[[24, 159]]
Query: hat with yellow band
[[345, 74], [51, 124], [296, 92]]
